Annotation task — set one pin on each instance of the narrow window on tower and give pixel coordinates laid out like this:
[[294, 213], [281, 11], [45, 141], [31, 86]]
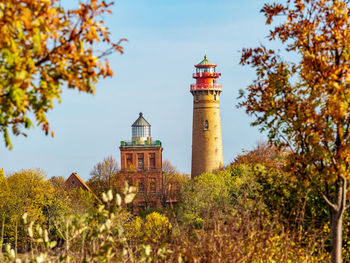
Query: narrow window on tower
[[141, 185], [214, 97], [128, 160], [153, 186], [152, 160], [197, 98], [206, 125], [140, 161]]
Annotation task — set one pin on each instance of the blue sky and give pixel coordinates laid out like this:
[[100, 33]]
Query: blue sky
[[166, 38]]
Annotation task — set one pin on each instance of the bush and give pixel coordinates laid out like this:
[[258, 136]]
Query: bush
[[156, 228]]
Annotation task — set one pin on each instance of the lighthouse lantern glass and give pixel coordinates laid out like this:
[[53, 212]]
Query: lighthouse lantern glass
[[141, 131], [205, 69]]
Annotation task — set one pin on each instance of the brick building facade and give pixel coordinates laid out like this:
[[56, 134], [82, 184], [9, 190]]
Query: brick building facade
[[141, 166]]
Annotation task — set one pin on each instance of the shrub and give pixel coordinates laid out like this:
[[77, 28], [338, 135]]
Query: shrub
[[156, 228]]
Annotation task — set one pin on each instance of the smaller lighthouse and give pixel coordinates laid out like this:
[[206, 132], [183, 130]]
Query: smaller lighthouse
[[206, 131], [141, 165]]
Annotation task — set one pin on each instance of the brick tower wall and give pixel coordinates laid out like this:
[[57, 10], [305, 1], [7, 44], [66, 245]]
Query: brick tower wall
[[151, 172], [206, 143]]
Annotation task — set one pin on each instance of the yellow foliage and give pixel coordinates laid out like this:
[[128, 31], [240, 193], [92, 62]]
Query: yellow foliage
[[134, 229], [44, 47], [156, 228]]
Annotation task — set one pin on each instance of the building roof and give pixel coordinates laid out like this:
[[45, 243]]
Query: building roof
[[205, 62], [75, 181], [141, 122], [76, 176]]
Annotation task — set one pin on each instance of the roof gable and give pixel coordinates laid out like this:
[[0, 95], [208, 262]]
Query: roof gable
[[75, 181]]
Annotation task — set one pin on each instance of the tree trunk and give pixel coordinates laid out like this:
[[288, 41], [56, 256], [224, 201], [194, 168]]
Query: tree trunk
[[2, 233], [337, 236], [16, 236], [67, 243], [336, 215]]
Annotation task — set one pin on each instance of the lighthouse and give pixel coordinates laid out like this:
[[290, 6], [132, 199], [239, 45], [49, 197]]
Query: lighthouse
[[141, 166], [206, 130]]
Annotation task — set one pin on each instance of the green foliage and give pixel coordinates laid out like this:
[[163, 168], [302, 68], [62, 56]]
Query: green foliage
[[205, 195], [218, 195], [243, 185]]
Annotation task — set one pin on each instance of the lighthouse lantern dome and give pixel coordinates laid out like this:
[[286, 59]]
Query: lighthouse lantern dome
[[205, 66], [141, 129]]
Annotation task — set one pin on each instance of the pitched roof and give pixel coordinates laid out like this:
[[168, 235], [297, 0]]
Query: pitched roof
[[140, 122], [76, 176], [80, 183]]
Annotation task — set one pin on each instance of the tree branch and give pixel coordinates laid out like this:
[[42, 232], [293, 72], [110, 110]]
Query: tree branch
[[329, 203]]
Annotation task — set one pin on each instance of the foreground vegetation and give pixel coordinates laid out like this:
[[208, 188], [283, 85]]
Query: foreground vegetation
[[251, 211], [303, 103]]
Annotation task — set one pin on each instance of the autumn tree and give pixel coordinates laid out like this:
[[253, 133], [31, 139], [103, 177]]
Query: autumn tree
[[29, 193], [206, 196], [263, 153], [60, 204], [304, 105], [104, 176], [43, 48], [171, 183]]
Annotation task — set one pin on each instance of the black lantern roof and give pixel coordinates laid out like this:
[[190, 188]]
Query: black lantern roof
[[141, 122]]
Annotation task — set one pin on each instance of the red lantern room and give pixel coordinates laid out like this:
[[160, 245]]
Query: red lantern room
[[206, 76]]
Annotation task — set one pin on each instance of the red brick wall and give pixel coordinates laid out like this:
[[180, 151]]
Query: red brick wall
[[73, 182], [147, 174]]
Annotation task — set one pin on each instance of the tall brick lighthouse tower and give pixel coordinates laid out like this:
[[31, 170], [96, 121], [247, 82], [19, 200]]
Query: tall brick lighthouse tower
[[206, 133]]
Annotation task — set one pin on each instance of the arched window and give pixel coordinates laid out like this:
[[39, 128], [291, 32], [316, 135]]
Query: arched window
[[206, 125]]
